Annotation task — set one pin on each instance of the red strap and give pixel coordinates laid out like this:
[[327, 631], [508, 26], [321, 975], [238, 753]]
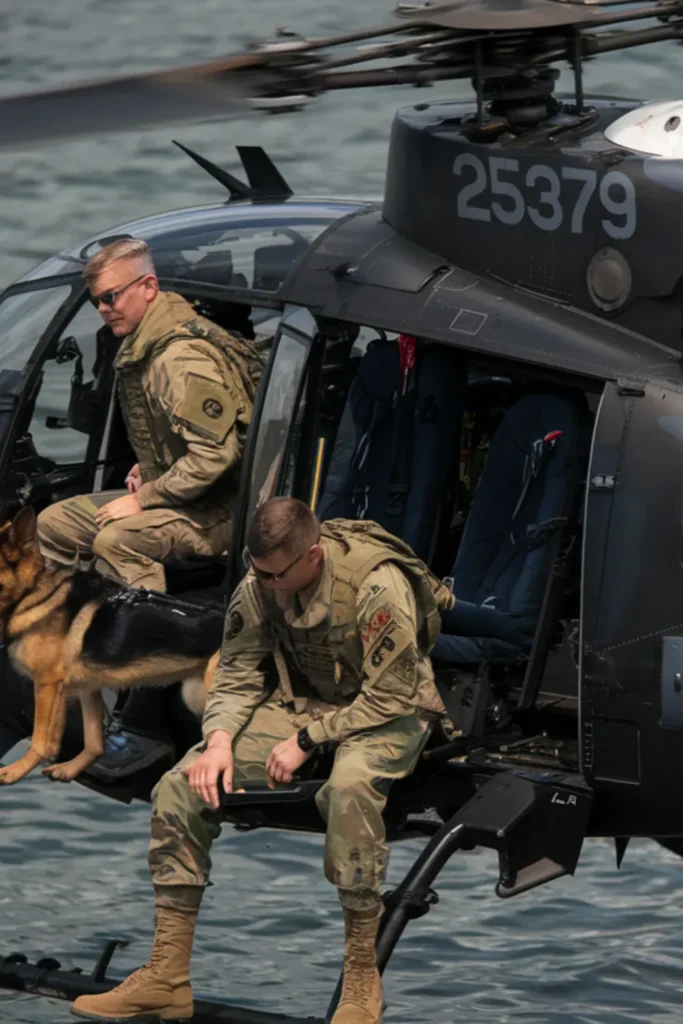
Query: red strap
[[552, 436], [406, 356]]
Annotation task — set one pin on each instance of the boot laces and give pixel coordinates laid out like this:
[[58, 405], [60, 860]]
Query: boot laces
[[360, 970], [135, 978], [359, 977]]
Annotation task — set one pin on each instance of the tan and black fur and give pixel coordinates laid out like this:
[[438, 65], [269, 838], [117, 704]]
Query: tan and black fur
[[68, 631]]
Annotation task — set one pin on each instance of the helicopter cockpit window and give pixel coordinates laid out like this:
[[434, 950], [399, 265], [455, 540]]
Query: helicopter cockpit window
[[239, 248], [249, 257], [23, 318]]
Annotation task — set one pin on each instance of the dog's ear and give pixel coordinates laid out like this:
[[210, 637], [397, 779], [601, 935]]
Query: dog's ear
[[23, 532]]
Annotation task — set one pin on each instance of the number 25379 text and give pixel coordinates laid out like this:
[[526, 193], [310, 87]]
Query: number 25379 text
[[549, 198]]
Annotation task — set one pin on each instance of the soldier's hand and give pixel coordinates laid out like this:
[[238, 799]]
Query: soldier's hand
[[203, 774], [134, 480], [285, 759], [119, 508]]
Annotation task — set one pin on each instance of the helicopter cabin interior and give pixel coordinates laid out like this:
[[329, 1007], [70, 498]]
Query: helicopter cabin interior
[[477, 463], [480, 465]]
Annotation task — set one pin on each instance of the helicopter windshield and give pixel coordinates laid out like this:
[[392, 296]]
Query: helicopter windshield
[[240, 247], [23, 318]]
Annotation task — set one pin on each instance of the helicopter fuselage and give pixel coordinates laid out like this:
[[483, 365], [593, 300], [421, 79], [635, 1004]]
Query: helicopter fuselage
[[440, 260]]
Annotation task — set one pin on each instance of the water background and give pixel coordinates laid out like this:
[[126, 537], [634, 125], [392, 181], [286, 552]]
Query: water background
[[603, 947]]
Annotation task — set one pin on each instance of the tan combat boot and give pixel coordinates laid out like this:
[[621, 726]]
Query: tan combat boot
[[361, 998], [160, 989]]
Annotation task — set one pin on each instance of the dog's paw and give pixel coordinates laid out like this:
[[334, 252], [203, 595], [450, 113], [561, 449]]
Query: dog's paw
[[12, 774], [16, 771], [64, 772]]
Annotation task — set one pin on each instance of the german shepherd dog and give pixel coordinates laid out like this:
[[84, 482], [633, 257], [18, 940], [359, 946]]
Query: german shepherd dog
[[74, 632]]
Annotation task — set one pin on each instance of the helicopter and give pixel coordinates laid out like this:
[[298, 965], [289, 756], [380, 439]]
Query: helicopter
[[487, 362]]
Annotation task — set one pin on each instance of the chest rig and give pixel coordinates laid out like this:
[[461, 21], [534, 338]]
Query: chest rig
[[172, 319], [330, 653]]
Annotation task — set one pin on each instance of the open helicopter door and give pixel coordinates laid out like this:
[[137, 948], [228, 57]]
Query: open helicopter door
[[276, 425], [631, 663]]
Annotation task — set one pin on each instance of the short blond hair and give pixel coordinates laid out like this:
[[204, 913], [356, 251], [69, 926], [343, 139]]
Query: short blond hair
[[282, 524], [122, 249]]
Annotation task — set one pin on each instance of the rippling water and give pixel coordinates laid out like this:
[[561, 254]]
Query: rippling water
[[603, 947]]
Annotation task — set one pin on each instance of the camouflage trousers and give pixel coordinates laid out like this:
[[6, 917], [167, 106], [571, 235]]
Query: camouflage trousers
[[133, 549], [351, 802]]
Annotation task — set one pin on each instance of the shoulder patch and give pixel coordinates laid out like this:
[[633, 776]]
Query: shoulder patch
[[234, 625], [402, 678], [376, 624], [207, 408]]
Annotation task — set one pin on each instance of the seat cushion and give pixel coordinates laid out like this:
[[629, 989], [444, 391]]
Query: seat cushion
[[501, 561]]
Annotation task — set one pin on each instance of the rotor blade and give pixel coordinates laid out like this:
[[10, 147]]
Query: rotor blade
[[219, 88], [499, 15]]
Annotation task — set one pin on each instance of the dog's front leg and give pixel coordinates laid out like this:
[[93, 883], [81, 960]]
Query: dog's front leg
[[48, 728], [92, 707]]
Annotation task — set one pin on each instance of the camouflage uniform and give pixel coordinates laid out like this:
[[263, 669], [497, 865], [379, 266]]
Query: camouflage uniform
[[186, 389], [354, 668]]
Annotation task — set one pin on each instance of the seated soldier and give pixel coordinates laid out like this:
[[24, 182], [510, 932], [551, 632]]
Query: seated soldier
[[349, 614], [186, 389]]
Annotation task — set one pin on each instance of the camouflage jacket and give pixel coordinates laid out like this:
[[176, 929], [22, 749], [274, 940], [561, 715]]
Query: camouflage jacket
[[186, 389], [370, 659]]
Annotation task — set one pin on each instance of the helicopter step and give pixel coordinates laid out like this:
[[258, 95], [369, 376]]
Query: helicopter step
[[536, 820]]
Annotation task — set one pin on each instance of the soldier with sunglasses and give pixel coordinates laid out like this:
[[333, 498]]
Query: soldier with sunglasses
[[326, 644], [186, 389]]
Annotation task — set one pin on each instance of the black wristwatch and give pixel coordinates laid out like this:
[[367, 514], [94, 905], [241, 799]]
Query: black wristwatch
[[305, 742]]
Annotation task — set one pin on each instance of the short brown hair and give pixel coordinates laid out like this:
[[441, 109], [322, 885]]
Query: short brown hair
[[121, 249], [282, 524]]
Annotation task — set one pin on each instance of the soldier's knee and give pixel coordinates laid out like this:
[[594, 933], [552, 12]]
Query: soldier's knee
[[172, 793], [345, 792], [51, 522], [56, 536]]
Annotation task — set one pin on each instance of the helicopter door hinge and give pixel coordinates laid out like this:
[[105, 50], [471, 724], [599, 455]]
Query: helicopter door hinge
[[629, 388]]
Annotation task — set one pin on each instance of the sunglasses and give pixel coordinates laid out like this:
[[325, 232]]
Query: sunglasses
[[268, 577], [109, 298]]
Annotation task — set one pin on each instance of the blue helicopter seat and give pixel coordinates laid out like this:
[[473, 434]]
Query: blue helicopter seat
[[526, 491], [396, 448]]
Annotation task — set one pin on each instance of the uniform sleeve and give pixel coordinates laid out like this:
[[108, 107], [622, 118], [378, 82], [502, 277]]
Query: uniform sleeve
[[203, 411], [387, 622], [238, 686]]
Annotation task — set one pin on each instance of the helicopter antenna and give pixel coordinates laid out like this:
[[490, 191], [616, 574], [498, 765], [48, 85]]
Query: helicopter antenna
[[263, 176], [265, 181], [236, 188]]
